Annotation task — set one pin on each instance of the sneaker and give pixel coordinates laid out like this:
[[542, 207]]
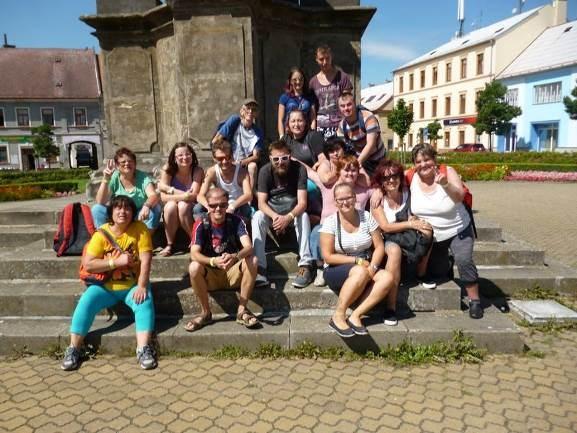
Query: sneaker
[[320, 279], [145, 356], [390, 318], [304, 277], [475, 309], [71, 359], [427, 283], [261, 280]]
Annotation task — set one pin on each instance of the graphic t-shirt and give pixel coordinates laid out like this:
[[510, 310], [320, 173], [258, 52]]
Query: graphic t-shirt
[[293, 102], [328, 114], [307, 148], [218, 235], [135, 240], [138, 194]]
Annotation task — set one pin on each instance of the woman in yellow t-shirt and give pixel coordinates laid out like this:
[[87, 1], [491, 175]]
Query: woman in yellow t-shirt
[[129, 281]]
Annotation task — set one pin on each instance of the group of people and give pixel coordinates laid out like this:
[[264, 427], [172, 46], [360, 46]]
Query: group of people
[[357, 215]]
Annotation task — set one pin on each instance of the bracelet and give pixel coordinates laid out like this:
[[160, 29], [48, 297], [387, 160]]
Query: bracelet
[[104, 180], [292, 215], [111, 263], [171, 190], [212, 262], [186, 195]]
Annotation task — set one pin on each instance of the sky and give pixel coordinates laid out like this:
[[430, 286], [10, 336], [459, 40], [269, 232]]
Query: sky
[[399, 31]]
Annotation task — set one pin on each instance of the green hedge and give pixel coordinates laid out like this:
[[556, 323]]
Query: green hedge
[[9, 177], [561, 158]]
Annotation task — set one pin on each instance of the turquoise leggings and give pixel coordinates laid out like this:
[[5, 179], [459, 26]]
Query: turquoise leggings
[[97, 298]]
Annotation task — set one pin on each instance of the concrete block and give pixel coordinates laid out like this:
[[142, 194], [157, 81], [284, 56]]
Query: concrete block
[[33, 335], [542, 311]]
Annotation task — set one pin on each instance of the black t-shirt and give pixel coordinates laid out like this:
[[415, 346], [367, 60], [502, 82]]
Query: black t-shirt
[[271, 184], [307, 148]]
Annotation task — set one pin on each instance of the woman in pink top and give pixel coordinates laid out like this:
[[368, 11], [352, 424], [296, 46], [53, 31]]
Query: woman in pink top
[[348, 170]]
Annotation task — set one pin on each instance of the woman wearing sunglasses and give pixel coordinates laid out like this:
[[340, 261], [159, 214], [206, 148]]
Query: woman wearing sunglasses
[[179, 185], [231, 177], [353, 249]]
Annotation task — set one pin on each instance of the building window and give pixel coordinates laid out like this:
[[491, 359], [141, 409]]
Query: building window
[[463, 68], [422, 109], [411, 107], [422, 79], [462, 103], [547, 93], [512, 97], [434, 108], [23, 116], [447, 105], [4, 155], [461, 137], [401, 84], [447, 138], [2, 124], [448, 72], [411, 81], [410, 140], [435, 75], [80, 117], [480, 58], [47, 115]]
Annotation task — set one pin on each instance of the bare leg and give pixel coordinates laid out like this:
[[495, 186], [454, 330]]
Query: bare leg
[[424, 262], [185, 216], [393, 266], [383, 281], [252, 168], [352, 288], [249, 271], [198, 283], [170, 223], [76, 340], [472, 291], [142, 338]]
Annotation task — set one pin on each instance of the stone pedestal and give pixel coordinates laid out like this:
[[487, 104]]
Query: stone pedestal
[[172, 71]]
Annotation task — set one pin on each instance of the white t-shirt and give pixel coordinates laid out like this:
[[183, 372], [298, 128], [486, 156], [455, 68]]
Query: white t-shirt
[[356, 243], [245, 140]]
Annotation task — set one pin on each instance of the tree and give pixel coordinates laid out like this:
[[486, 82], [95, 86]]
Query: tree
[[43, 143], [400, 119], [571, 104], [494, 114], [433, 129]]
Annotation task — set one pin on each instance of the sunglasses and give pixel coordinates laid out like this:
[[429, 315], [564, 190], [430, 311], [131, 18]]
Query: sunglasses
[[218, 205], [277, 159], [222, 158], [390, 177]]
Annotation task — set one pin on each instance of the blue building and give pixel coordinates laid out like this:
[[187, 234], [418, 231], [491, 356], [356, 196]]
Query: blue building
[[537, 81], [57, 87]]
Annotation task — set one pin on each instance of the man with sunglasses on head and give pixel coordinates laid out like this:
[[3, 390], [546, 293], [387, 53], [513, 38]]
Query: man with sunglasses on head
[[231, 177], [222, 258], [244, 136], [282, 202]]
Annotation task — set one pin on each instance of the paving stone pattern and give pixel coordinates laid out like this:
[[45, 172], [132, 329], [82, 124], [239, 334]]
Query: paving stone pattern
[[543, 214], [111, 394]]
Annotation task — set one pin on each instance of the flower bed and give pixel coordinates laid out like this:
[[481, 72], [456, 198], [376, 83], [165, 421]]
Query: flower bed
[[542, 176]]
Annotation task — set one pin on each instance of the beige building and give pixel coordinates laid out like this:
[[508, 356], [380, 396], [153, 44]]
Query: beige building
[[379, 99], [443, 84]]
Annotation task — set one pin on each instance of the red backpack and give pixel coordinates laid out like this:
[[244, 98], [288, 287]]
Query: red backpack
[[75, 228], [467, 199]]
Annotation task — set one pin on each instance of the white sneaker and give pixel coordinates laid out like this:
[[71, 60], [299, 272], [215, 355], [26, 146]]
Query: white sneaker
[[320, 279], [427, 283]]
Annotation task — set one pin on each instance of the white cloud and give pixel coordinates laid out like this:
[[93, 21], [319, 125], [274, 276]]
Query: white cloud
[[388, 51]]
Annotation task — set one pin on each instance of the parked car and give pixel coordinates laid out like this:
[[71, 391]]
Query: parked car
[[470, 147]]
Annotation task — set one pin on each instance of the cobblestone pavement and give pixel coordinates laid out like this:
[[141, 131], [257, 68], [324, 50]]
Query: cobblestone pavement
[[503, 394], [543, 214]]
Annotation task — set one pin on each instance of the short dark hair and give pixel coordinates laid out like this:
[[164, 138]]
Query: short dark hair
[[424, 148], [278, 145], [223, 145], [388, 167], [124, 151], [332, 144], [347, 94], [120, 201]]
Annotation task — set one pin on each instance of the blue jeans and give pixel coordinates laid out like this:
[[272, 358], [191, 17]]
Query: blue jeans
[[97, 298], [100, 217], [315, 242]]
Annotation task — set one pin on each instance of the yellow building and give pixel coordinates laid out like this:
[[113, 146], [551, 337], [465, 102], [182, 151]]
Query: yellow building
[[443, 84]]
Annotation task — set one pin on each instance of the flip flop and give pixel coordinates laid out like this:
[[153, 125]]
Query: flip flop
[[198, 322]]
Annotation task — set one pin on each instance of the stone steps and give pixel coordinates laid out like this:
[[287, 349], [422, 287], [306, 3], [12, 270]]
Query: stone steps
[[175, 298], [495, 332]]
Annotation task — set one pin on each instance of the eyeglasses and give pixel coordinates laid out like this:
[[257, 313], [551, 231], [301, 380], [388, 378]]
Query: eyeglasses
[[125, 162], [251, 109], [218, 205], [343, 200], [277, 159], [390, 177]]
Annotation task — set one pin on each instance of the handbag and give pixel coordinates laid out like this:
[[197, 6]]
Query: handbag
[[97, 278]]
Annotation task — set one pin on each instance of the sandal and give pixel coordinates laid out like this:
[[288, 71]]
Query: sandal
[[198, 322], [166, 251], [246, 318]]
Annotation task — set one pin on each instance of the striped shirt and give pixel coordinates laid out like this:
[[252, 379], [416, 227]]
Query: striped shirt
[[356, 243], [356, 134]]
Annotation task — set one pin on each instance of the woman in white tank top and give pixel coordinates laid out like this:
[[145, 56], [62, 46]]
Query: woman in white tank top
[[437, 197]]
